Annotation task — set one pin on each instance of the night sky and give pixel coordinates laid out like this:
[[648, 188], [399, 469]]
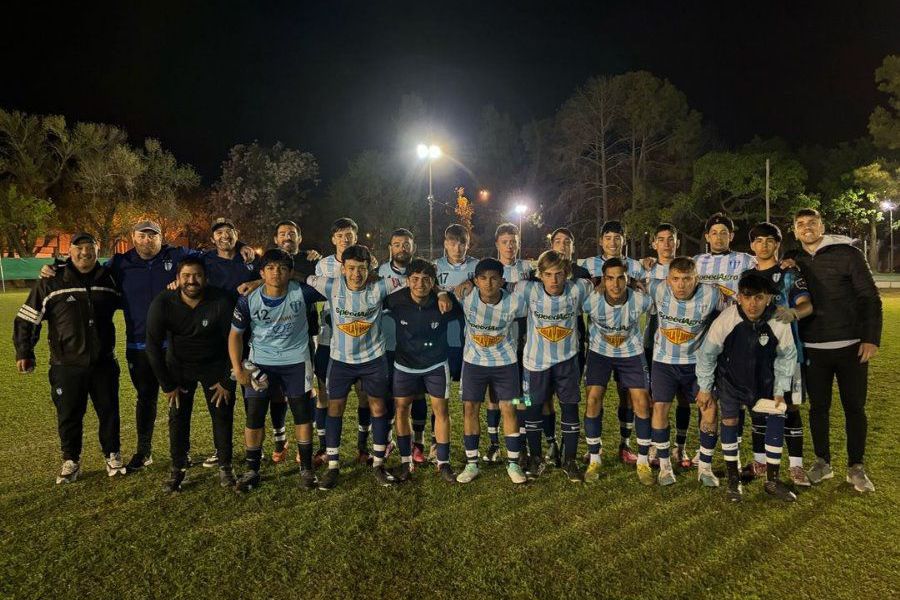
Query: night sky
[[327, 76]]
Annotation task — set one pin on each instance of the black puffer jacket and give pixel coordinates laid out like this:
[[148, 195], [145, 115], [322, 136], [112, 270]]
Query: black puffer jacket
[[847, 303]]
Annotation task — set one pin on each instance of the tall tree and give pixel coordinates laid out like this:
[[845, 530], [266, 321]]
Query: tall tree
[[23, 217], [884, 123]]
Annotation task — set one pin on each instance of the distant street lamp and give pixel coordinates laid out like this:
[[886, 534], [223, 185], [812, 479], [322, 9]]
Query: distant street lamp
[[889, 207], [430, 153], [484, 195]]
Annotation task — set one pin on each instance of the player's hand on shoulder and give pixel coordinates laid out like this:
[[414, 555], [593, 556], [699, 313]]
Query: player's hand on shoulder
[[313, 255], [463, 289], [445, 303], [245, 288], [648, 262], [248, 254]]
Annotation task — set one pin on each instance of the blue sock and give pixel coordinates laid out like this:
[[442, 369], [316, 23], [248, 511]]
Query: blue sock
[[443, 452], [533, 429], [321, 414], [493, 426], [682, 423], [626, 422], [730, 443], [774, 442], [742, 416], [379, 438], [592, 426], [550, 426], [333, 427], [513, 447], [419, 415], [404, 445], [470, 442], [364, 416], [643, 433], [571, 428], [707, 447], [254, 457]]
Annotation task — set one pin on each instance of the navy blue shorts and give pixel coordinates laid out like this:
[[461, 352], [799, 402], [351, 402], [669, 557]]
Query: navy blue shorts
[[389, 357], [563, 379], [290, 380], [436, 383], [372, 375], [505, 381], [323, 356], [631, 372], [730, 408], [668, 381], [455, 361]]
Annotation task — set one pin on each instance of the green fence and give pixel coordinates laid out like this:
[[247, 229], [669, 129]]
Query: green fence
[[24, 268]]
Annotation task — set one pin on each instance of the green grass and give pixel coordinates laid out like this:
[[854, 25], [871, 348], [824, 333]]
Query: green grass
[[124, 538]]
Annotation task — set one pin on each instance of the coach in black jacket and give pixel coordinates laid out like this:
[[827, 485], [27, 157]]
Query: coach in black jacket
[[840, 338], [78, 303]]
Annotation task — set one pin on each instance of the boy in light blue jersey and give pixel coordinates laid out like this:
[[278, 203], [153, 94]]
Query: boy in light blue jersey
[[616, 348], [685, 309], [275, 315], [721, 266]]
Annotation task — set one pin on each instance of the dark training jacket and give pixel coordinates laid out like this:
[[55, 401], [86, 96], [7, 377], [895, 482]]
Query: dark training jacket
[[421, 330]]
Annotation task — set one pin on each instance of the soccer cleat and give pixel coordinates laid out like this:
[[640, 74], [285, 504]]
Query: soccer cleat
[[418, 454], [654, 459], [307, 480], [212, 460], [402, 472], [627, 455], [446, 472], [573, 473], [536, 467], [173, 484], [707, 478], [247, 481], [363, 457], [592, 474], [382, 476], [680, 458], [69, 472], [553, 456], [389, 449], [752, 470], [226, 476], [798, 477], [320, 458], [665, 477], [432, 454], [468, 474], [329, 479], [856, 476], [278, 457], [138, 461], [515, 472], [114, 464], [735, 489], [645, 474], [819, 472], [493, 455], [695, 462], [778, 489]]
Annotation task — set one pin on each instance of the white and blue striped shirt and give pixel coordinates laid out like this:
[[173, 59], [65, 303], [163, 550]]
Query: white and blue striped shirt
[[518, 271], [490, 335], [615, 329], [682, 323], [723, 270], [329, 266], [449, 276], [552, 326], [355, 316], [388, 326], [634, 269]]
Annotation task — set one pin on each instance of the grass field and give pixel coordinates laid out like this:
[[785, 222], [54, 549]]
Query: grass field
[[124, 538]]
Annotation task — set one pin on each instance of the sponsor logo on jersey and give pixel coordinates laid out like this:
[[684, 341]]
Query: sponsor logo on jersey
[[355, 328], [554, 333], [677, 336], [614, 340], [725, 290], [486, 341]]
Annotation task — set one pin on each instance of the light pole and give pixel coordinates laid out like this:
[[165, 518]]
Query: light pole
[[520, 210], [890, 206], [430, 153]]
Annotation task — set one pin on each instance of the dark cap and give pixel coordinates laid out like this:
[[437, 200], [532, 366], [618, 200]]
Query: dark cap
[[754, 281], [488, 264], [222, 222], [82, 237], [276, 255], [148, 226]]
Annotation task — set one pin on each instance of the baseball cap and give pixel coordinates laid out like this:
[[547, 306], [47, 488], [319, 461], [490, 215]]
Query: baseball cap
[[222, 222], [148, 226], [81, 237]]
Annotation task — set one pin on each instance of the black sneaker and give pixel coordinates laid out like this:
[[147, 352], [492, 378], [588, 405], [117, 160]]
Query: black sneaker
[[572, 471], [248, 481], [778, 489], [308, 480], [402, 472], [174, 482], [553, 455], [446, 473], [226, 476], [329, 479], [735, 489], [382, 476], [536, 467], [138, 462]]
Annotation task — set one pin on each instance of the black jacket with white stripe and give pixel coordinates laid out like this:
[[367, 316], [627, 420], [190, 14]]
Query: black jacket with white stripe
[[79, 310]]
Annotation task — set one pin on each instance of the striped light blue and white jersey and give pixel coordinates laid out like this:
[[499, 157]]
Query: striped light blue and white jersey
[[552, 327], [682, 323], [518, 271], [658, 272], [490, 332], [279, 331], [449, 276], [328, 266], [388, 326], [355, 316], [615, 329], [633, 268], [723, 270]]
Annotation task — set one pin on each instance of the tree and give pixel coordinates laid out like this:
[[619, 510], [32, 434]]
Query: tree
[[261, 185], [884, 123], [23, 217]]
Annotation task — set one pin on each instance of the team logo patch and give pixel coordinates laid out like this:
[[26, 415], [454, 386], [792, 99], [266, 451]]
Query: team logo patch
[[554, 333], [677, 336], [249, 266], [435, 325], [776, 277], [725, 290], [205, 322], [59, 391], [295, 306], [614, 340], [763, 339], [167, 265], [486, 341], [355, 328]]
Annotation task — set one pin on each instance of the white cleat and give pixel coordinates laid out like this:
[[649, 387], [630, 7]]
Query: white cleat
[[114, 464]]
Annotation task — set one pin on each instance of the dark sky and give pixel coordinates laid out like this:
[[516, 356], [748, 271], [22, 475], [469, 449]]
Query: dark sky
[[327, 76]]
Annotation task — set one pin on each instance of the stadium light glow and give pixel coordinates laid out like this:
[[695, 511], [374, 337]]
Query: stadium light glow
[[888, 205], [520, 209]]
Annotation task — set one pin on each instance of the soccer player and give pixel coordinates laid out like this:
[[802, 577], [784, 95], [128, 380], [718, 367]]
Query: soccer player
[[420, 362], [187, 343], [78, 303], [490, 362], [615, 347], [792, 302], [684, 308], [722, 266], [276, 316], [750, 357]]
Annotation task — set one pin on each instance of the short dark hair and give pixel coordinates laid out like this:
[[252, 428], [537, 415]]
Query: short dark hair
[[807, 212], [489, 264], [287, 223], [719, 219], [276, 255], [420, 265], [612, 227], [563, 230], [613, 262], [666, 227], [506, 229], [357, 252], [190, 261], [344, 223], [403, 232], [765, 229], [456, 232], [683, 264], [753, 282]]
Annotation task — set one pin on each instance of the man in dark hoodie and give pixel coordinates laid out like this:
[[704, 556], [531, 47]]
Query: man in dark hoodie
[[840, 338]]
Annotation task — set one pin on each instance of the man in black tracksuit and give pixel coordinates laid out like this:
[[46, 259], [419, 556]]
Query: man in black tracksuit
[[839, 339], [195, 320], [78, 302]]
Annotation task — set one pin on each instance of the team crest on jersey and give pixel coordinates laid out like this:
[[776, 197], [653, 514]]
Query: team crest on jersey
[[677, 336], [167, 265], [486, 341], [249, 266], [763, 339], [776, 277], [59, 391], [355, 328], [205, 322], [435, 325], [295, 306], [554, 333], [615, 340]]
